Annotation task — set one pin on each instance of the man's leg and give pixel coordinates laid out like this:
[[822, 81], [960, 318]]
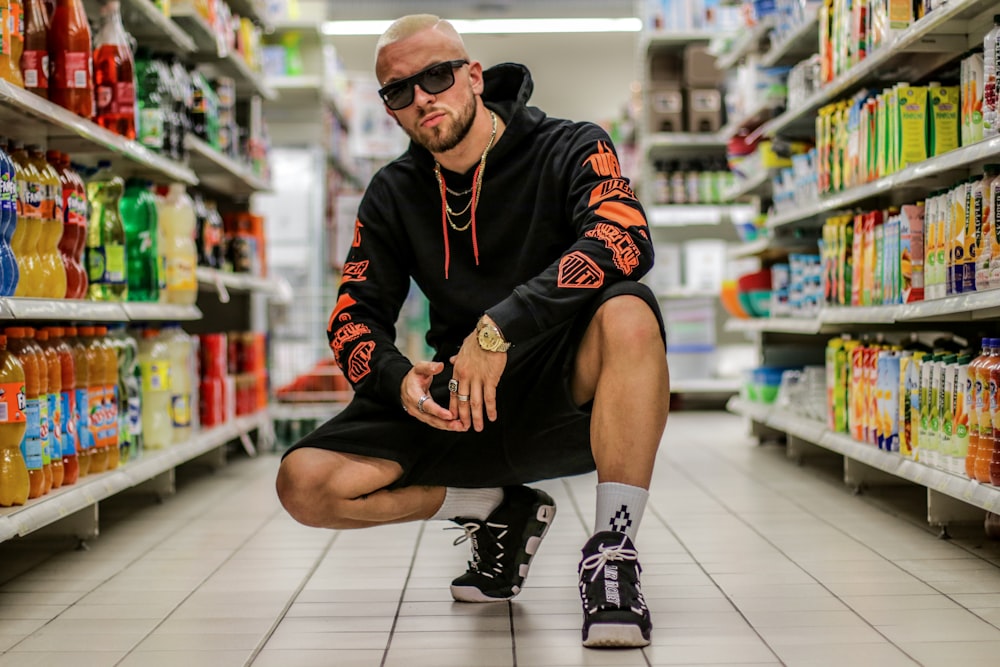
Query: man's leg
[[621, 365]]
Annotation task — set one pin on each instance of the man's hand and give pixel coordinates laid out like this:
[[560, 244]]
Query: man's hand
[[478, 373], [415, 395]]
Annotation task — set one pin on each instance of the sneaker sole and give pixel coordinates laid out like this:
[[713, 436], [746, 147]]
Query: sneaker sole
[[615, 635], [545, 514]]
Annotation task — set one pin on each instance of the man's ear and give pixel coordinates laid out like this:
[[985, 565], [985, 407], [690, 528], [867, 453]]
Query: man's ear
[[476, 76]]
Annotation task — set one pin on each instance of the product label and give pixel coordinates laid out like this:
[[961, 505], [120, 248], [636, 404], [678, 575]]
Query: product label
[[151, 127], [43, 429], [71, 69], [74, 207], [12, 403], [106, 265], [180, 410], [31, 444], [109, 427], [124, 97], [95, 415], [181, 276], [55, 426], [85, 438], [134, 417], [35, 69], [155, 375], [31, 200], [70, 419]]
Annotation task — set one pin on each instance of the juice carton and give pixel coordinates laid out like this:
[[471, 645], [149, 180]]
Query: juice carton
[[973, 224], [879, 274], [892, 268], [900, 17], [911, 253], [845, 260], [881, 131], [905, 443], [991, 200], [858, 256], [825, 41], [956, 233], [911, 125], [941, 247], [961, 418], [931, 448], [943, 134], [879, 398], [834, 349], [986, 239], [930, 246], [911, 406], [972, 99], [842, 386], [891, 393], [923, 407], [871, 382], [947, 396], [858, 398], [829, 254]]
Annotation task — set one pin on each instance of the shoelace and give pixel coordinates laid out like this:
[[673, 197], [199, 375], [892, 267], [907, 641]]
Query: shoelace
[[596, 562], [471, 528]]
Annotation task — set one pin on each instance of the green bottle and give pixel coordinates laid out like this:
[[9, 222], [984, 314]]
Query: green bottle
[[138, 210], [106, 262]]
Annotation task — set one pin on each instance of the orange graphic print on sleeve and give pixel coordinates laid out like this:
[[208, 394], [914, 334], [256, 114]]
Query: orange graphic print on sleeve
[[355, 271], [345, 334], [613, 188], [357, 233], [359, 363], [625, 252], [579, 271], [604, 162], [623, 214], [343, 303]]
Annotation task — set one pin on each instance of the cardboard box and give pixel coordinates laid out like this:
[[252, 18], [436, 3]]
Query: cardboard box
[[699, 68], [666, 110], [666, 70], [704, 110]]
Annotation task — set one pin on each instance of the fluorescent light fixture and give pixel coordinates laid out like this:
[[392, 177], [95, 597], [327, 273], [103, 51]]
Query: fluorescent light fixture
[[496, 26]]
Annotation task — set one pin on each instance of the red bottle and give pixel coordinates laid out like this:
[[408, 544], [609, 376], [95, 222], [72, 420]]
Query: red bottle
[[114, 74], [35, 57], [71, 65], [74, 236]]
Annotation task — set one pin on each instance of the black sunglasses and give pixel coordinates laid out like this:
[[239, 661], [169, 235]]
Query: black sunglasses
[[432, 80]]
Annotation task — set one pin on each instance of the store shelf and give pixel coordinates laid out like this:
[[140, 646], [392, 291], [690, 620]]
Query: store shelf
[[801, 43], [983, 496], [744, 44], [344, 169], [60, 503], [137, 311], [683, 215], [224, 282], [36, 120], [254, 10], [305, 90], [677, 40], [220, 172], [926, 45], [953, 165], [72, 310], [790, 325], [705, 386], [144, 21], [753, 119], [758, 186]]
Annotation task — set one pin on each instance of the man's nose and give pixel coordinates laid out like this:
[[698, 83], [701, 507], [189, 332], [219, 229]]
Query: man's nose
[[420, 95]]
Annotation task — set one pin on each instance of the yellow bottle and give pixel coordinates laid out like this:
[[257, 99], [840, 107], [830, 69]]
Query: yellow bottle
[[25, 239], [14, 481], [52, 271]]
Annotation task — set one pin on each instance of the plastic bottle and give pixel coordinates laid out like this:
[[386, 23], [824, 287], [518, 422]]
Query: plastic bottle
[[35, 57], [106, 263], [52, 271], [110, 400], [182, 356], [74, 228], [154, 373], [67, 435], [212, 352], [14, 40], [139, 216], [81, 370], [129, 395], [177, 219], [987, 426], [25, 239], [991, 120], [153, 100], [975, 407], [114, 74], [31, 444], [212, 235], [14, 480], [96, 409], [8, 222], [71, 61], [43, 409], [53, 414]]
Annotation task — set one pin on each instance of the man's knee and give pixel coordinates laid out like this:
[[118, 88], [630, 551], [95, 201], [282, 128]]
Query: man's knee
[[628, 324], [302, 487]]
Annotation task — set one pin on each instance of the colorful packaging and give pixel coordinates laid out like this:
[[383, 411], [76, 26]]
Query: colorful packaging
[[972, 99], [911, 136], [943, 133], [987, 241], [973, 229], [858, 397], [960, 419], [911, 253]]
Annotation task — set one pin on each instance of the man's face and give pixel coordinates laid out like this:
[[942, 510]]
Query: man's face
[[437, 122]]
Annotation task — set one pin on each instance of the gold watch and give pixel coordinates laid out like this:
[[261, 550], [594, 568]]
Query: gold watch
[[490, 338]]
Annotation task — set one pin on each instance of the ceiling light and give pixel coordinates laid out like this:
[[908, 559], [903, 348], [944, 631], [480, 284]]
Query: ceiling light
[[496, 26]]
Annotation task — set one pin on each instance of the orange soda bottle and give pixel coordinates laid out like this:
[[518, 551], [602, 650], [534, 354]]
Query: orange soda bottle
[[976, 394], [43, 409], [95, 399], [66, 436], [14, 481], [51, 429], [109, 425], [31, 444], [988, 418], [81, 371]]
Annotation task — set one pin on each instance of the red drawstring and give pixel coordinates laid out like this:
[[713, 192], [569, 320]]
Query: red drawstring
[[444, 228]]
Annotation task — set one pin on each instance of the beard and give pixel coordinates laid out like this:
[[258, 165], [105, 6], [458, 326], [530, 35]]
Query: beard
[[446, 135]]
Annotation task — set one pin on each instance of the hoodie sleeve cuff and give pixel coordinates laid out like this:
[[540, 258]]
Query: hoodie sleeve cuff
[[391, 380], [515, 322]]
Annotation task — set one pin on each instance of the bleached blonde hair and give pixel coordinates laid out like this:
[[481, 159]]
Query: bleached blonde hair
[[407, 26]]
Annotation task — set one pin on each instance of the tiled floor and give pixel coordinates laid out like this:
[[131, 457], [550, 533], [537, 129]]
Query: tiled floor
[[747, 560]]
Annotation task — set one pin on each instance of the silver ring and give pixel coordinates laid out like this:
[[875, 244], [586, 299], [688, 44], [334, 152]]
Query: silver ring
[[420, 403], [462, 397], [453, 386]]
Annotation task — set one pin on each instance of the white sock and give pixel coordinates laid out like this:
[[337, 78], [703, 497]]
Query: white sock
[[468, 503], [619, 508]]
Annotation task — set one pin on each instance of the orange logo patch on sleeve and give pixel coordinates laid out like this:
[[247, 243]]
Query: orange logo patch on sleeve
[[604, 162], [343, 303], [359, 363], [345, 335], [623, 214], [357, 233], [355, 272], [613, 188], [622, 247], [578, 270]]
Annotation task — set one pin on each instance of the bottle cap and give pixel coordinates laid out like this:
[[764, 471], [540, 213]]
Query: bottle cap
[[16, 332]]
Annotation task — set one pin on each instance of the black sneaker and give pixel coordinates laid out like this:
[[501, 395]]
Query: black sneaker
[[614, 611], [503, 545]]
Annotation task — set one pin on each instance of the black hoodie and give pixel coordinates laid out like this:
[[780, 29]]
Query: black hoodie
[[555, 221]]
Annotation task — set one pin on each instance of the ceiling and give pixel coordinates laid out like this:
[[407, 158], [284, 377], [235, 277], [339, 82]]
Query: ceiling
[[472, 9]]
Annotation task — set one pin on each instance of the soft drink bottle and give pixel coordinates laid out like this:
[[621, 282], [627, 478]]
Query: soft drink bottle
[[81, 370], [106, 263], [110, 400], [74, 229], [43, 409], [181, 350], [67, 406], [52, 271], [129, 396], [25, 239], [35, 57], [177, 218], [31, 444], [14, 41], [8, 222], [114, 74], [79, 216], [71, 61], [52, 425], [153, 100], [95, 398], [154, 373], [139, 216], [14, 481]]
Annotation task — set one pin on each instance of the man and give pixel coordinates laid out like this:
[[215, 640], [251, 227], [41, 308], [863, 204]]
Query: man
[[550, 359]]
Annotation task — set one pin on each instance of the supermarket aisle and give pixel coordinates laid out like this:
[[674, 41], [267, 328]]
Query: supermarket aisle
[[748, 560]]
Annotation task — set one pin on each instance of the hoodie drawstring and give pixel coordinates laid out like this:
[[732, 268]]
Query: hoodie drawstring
[[444, 219]]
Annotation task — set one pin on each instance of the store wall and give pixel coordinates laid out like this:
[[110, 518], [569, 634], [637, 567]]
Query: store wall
[[577, 76]]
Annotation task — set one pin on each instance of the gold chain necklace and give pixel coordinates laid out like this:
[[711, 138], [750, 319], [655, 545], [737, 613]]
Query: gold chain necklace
[[477, 184]]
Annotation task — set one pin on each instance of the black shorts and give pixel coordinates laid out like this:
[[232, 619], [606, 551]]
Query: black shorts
[[540, 433]]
